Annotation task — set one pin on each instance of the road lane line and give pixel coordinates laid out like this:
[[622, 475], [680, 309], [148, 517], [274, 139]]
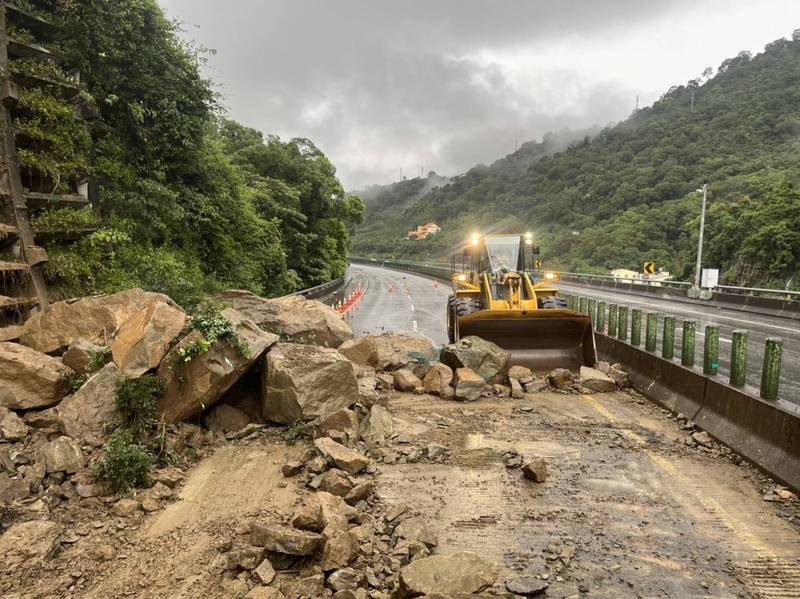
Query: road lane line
[[414, 325]]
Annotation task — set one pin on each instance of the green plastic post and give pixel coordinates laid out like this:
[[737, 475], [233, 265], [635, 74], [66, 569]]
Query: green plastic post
[[711, 350], [739, 358], [687, 342], [622, 323], [636, 327], [652, 332], [601, 316], [668, 338], [612, 320], [583, 306], [771, 373], [593, 309]]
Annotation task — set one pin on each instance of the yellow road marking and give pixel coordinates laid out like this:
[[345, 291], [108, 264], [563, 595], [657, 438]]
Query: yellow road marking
[[709, 503]]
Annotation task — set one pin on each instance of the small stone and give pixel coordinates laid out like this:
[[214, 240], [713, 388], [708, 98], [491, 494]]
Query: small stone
[[12, 427], [292, 468], [703, 438], [335, 482], [434, 450], [527, 586], [265, 573], [347, 579], [560, 378], [360, 492], [516, 389], [349, 460], [282, 539], [535, 470], [150, 504], [125, 507], [406, 381]]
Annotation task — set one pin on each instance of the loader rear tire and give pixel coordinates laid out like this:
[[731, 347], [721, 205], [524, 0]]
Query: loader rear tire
[[457, 307], [551, 302]]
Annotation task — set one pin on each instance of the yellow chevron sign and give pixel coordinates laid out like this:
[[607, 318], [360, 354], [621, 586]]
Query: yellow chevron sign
[[649, 268]]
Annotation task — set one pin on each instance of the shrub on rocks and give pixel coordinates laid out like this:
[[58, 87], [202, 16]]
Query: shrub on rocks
[[483, 357], [125, 463]]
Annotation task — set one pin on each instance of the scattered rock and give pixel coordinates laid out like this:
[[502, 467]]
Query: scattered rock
[[169, 476], [483, 357], [144, 338], [94, 319], [91, 412], [359, 492], [535, 470], [282, 539], [343, 421], [340, 548], [295, 319], [389, 352], [347, 579], [463, 572], [198, 384], [26, 544], [439, 376], [309, 516], [527, 586], [384, 381], [81, 354], [348, 460], [335, 481], [468, 385], [522, 374], [63, 455], [376, 426], [415, 529], [30, 379], [560, 378], [265, 573], [225, 418], [703, 438], [305, 382], [125, 507], [516, 389], [12, 427], [13, 489], [434, 451], [292, 468], [596, 381], [620, 377], [404, 380]]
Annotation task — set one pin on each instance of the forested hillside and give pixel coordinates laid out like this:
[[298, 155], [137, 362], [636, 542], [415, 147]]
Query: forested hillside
[[189, 202], [628, 193]]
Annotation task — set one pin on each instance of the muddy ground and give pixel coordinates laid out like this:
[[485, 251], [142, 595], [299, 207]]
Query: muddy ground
[[629, 509]]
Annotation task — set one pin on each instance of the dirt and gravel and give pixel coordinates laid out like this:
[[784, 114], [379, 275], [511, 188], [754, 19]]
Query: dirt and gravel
[[632, 506]]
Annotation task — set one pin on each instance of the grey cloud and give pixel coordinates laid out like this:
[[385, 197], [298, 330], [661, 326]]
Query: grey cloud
[[384, 85]]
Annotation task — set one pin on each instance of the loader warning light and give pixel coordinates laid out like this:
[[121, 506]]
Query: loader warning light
[[552, 276]]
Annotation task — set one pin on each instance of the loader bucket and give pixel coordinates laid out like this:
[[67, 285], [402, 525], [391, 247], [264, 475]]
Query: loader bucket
[[538, 339]]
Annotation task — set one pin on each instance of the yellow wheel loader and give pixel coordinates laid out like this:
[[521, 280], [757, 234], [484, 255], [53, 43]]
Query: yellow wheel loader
[[500, 294]]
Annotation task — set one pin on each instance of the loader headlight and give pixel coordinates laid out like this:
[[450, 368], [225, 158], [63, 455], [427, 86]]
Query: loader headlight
[[475, 238], [461, 278], [528, 238], [552, 276]]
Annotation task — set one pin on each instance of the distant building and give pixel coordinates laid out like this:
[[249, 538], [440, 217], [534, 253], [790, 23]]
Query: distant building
[[422, 231], [624, 273]]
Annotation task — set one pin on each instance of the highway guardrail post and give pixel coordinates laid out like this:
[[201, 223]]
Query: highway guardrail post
[[668, 338], [771, 373], [652, 332], [636, 327], [711, 350], [583, 306], [622, 323], [739, 358], [593, 309], [601, 316], [612, 320], [687, 342], [571, 302]]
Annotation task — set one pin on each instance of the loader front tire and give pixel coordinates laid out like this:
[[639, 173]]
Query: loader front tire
[[552, 302]]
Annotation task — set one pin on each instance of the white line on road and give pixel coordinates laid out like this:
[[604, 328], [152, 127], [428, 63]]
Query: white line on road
[[414, 325], [412, 307], [721, 339]]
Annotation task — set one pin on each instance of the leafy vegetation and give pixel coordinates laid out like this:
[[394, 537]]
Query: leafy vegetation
[[212, 325], [627, 194], [190, 203], [137, 400], [125, 463]]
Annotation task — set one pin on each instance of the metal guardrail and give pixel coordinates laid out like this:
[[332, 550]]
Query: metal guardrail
[[322, 291]]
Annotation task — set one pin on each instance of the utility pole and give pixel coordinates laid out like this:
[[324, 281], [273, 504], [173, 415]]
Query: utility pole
[[692, 106], [700, 240], [636, 107]]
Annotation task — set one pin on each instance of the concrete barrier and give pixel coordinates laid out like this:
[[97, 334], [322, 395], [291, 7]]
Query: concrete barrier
[[767, 433]]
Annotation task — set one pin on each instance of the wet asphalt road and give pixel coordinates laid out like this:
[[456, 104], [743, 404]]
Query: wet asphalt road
[[400, 302], [414, 305], [759, 326]]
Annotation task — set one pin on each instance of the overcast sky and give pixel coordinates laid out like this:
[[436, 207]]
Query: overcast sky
[[381, 85]]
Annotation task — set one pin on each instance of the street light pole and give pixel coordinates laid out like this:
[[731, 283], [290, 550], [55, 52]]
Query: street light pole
[[700, 240]]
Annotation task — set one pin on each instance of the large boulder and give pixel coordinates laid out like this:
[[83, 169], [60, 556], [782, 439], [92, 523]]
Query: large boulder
[[26, 544], [282, 539], [63, 455], [306, 382], [389, 352], [226, 419], [81, 355], [197, 385], [596, 381], [490, 361], [463, 572], [376, 426], [295, 319], [30, 379], [91, 412], [94, 319], [143, 340]]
